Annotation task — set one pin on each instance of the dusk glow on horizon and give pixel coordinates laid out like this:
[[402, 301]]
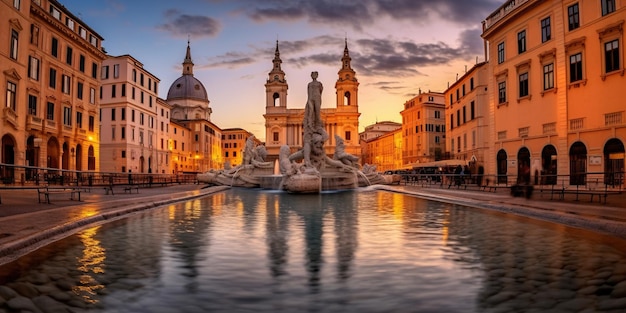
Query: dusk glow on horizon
[[397, 47]]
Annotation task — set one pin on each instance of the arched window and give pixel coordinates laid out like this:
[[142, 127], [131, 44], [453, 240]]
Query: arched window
[[614, 162], [548, 165], [346, 98], [276, 98]]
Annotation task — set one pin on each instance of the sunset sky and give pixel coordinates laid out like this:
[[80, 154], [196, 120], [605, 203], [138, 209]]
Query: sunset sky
[[397, 47]]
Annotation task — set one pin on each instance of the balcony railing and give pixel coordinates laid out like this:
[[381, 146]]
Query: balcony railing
[[503, 11], [615, 118]]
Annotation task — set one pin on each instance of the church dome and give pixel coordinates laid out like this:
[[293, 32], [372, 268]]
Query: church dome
[[187, 87]]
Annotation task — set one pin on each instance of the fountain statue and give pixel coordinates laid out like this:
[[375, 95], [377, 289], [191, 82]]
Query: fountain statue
[[308, 170]]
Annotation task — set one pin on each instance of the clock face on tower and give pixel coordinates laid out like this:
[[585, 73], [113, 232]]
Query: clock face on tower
[[275, 77]]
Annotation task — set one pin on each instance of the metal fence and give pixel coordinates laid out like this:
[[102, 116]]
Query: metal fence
[[28, 175]]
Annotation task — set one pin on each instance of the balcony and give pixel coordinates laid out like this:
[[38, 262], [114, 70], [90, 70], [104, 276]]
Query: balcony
[[615, 118], [576, 124], [51, 126], [68, 131], [34, 123], [10, 117]]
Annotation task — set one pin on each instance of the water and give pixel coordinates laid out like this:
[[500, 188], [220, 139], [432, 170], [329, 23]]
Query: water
[[265, 251]]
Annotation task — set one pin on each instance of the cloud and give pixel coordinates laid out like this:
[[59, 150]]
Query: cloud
[[354, 13], [179, 24]]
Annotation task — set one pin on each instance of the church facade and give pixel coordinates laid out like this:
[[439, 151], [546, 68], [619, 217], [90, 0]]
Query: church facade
[[283, 125]]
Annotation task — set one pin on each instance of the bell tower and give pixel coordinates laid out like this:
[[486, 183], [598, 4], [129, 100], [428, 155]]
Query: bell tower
[[276, 85], [347, 86]]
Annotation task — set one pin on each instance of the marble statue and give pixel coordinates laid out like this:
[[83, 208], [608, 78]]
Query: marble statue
[[342, 155]]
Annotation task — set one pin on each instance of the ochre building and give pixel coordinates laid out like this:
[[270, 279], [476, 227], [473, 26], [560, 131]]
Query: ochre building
[[50, 63], [556, 91]]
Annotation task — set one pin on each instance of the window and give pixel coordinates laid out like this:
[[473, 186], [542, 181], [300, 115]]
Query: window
[[458, 118], [113, 114], [464, 115], [105, 72], [123, 156], [33, 67], [141, 79], [452, 121], [226, 154], [81, 63], [68, 55], [92, 122], [79, 119], [132, 94], [79, 90], [502, 92], [93, 40], [575, 67], [500, 52], [472, 83], [132, 115], [123, 117], [141, 97], [82, 32], [34, 34], [573, 17], [275, 135], [472, 110], [116, 70], [14, 41], [32, 105], [50, 111], [134, 75], [123, 134], [521, 42], [55, 13], [54, 48], [113, 91], [69, 23], [113, 132], [11, 95], [65, 84], [546, 33], [141, 119], [523, 85], [94, 70], [608, 6], [348, 135], [52, 78], [92, 95], [67, 116], [548, 76], [16, 4], [611, 56]]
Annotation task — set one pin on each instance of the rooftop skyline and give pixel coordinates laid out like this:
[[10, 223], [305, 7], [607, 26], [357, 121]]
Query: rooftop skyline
[[397, 47]]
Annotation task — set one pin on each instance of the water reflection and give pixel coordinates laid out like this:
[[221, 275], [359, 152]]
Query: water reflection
[[250, 250]]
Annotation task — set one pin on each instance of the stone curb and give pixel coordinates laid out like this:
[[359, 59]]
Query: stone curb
[[22, 246]]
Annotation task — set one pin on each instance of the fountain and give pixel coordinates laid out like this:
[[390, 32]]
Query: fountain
[[308, 170]]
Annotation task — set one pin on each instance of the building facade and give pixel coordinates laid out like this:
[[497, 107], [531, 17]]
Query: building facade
[[556, 77], [384, 151], [50, 65], [423, 128], [233, 143], [467, 107], [128, 111], [283, 126], [370, 134]]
